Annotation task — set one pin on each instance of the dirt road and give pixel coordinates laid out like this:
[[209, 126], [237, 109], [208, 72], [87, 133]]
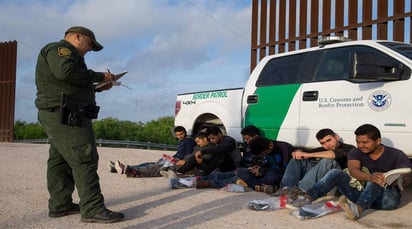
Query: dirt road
[[149, 203]]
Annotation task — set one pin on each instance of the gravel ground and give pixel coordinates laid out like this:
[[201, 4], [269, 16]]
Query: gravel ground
[[149, 203]]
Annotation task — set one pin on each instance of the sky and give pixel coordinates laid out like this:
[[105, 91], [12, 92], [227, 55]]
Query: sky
[[168, 47]]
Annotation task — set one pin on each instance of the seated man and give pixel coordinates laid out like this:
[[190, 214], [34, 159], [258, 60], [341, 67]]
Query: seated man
[[223, 154], [191, 165], [306, 168], [218, 179], [269, 165], [153, 169], [248, 133], [379, 159]]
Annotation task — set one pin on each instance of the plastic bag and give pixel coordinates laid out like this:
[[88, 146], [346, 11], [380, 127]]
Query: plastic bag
[[186, 182], [167, 161], [316, 210], [272, 203], [234, 188]]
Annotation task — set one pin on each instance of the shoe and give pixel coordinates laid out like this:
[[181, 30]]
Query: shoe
[[171, 174], [119, 167], [284, 191], [174, 183], [351, 209], [269, 189], [203, 184], [295, 192], [259, 188], [301, 201], [164, 173], [106, 216], [112, 169], [73, 210], [128, 171], [241, 182]]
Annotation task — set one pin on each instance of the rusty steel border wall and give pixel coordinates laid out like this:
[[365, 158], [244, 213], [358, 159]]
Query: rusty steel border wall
[[276, 23], [8, 59]]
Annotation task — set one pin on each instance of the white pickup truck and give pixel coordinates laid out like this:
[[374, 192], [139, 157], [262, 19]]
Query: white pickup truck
[[291, 96]]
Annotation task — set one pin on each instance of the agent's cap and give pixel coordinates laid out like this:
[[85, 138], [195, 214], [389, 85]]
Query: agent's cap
[[96, 46]]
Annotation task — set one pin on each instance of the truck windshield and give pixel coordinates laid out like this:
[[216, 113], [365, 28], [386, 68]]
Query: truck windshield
[[402, 48]]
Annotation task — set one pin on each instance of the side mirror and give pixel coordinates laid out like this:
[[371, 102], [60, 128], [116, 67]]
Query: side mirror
[[373, 67]]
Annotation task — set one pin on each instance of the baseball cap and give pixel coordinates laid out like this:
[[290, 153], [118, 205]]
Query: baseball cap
[[96, 46]]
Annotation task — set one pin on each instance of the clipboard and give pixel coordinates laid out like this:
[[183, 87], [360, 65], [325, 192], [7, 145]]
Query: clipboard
[[115, 79]]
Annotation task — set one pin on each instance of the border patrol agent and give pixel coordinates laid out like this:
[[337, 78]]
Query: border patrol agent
[[66, 106]]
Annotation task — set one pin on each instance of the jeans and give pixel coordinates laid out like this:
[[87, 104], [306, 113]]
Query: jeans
[[148, 169], [305, 173], [271, 177], [221, 179], [373, 196]]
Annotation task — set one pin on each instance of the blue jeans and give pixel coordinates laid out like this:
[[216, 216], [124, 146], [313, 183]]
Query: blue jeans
[[221, 179], [373, 196], [305, 173], [271, 177]]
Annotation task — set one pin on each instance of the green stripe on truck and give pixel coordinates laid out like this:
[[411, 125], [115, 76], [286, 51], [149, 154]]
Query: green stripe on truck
[[271, 109]]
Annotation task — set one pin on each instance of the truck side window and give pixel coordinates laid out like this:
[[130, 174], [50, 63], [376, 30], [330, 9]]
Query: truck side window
[[283, 70], [333, 65]]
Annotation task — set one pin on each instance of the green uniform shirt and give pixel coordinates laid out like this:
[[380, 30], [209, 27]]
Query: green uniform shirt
[[61, 68]]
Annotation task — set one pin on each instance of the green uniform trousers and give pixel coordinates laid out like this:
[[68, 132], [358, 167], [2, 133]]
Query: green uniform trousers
[[73, 160]]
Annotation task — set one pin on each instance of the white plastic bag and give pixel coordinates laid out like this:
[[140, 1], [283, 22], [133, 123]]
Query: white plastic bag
[[272, 203], [234, 188], [316, 210]]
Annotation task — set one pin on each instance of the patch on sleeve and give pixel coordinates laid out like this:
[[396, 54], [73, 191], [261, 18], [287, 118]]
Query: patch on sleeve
[[63, 51]]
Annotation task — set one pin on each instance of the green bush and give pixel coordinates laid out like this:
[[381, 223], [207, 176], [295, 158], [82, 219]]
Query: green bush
[[23, 130], [155, 131]]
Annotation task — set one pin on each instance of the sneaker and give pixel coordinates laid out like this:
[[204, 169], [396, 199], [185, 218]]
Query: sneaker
[[112, 169], [269, 189], [119, 167], [164, 173], [171, 174], [259, 188], [106, 216], [75, 208], [295, 192], [351, 209], [128, 172], [301, 201], [282, 191], [174, 183]]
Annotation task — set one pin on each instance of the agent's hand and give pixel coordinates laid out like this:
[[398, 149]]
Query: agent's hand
[[107, 77], [106, 87]]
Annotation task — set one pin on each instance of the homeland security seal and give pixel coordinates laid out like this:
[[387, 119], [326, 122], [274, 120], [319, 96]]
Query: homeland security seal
[[379, 100]]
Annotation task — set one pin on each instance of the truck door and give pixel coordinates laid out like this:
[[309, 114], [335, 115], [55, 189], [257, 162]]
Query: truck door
[[334, 101], [271, 99]]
